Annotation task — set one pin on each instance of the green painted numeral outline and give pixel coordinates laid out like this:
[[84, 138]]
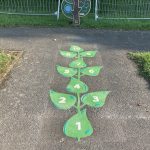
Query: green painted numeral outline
[[78, 126]]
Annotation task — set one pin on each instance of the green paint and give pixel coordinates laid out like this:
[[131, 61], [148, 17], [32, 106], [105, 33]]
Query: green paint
[[78, 126], [88, 54], [66, 72], [95, 99], [77, 86], [91, 71], [75, 48], [79, 63], [68, 54], [61, 100]]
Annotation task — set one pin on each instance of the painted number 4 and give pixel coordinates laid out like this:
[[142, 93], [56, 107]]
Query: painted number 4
[[78, 125]]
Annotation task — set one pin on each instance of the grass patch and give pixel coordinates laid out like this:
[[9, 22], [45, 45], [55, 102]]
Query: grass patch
[[18, 20], [142, 59], [7, 61], [86, 22]]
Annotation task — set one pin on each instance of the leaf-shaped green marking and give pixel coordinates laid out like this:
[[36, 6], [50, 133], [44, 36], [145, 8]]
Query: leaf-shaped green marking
[[61, 100], [95, 99], [88, 54], [79, 63], [77, 86], [75, 48], [68, 54], [78, 126], [91, 71], [66, 72]]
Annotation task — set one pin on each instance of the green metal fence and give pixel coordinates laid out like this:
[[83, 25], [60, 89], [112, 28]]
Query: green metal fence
[[122, 9], [29, 7], [103, 9]]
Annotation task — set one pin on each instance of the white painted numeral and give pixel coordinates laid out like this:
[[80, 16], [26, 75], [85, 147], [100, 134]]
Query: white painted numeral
[[77, 86], [76, 48], [66, 71], [91, 71], [96, 99], [62, 100], [88, 53], [78, 64], [78, 125], [68, 54]]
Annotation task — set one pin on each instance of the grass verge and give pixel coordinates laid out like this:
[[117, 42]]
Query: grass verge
[[86, 22], [142, 59], [7, 61]]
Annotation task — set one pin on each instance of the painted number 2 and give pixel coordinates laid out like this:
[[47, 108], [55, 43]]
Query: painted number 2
[[62, 100], [78, 125]]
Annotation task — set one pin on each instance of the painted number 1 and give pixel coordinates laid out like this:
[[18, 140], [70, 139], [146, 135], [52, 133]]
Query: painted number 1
[[78, 125]]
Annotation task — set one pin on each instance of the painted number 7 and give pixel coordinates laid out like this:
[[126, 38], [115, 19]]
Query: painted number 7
[[78, 125]]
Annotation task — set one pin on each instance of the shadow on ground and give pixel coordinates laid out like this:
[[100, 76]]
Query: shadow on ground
[[106, 39], [29, 122]]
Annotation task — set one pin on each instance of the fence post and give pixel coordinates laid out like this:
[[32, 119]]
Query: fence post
[[58, 10], [96, 15]]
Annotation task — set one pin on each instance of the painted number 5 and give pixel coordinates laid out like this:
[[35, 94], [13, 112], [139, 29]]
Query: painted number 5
[[78, 125], [95, 99]]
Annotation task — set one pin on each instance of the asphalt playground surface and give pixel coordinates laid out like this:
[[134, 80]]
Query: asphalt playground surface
[[28, 121]]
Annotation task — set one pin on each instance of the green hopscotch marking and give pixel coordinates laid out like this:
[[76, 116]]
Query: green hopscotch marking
[[78, 126]]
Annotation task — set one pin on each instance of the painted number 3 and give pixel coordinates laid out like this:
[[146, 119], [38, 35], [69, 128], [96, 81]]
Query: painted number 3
[[78, 125]]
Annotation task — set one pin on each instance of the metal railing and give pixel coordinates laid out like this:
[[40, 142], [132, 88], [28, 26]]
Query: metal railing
[[30, 7], [103, 9], [122, 9]]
